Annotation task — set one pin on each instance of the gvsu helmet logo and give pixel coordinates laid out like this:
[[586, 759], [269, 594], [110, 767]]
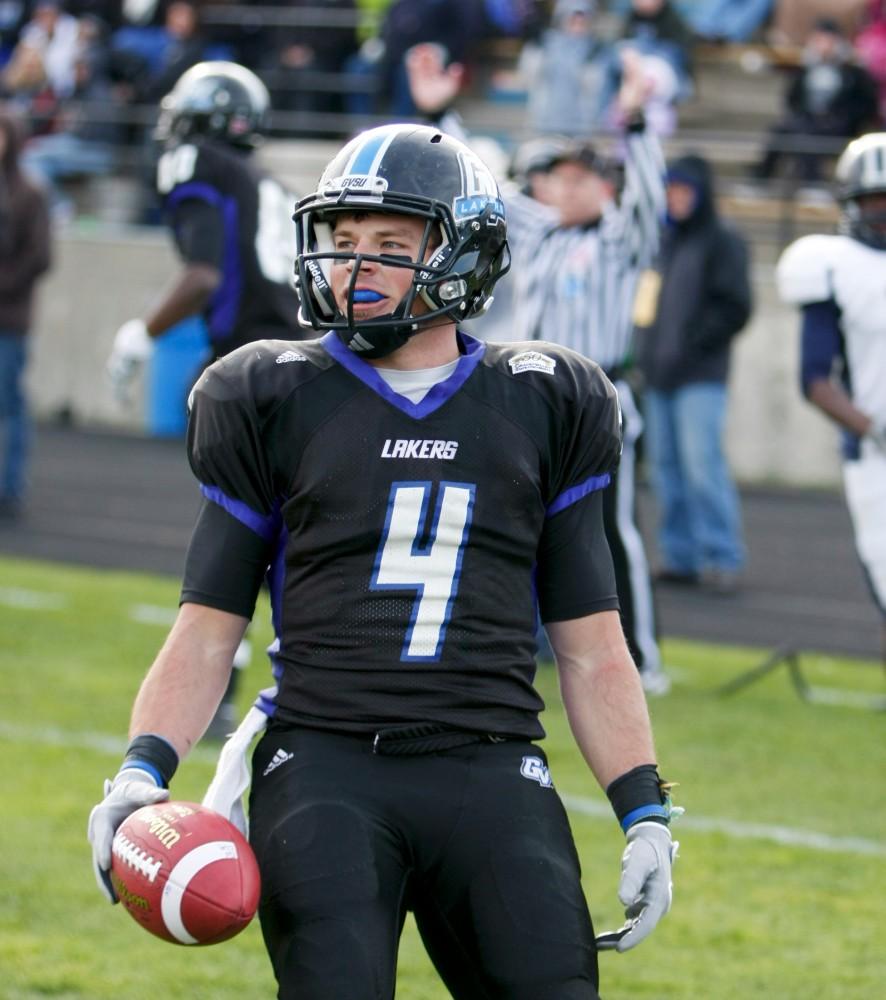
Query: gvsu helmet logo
[[478, 188], [535, 769]]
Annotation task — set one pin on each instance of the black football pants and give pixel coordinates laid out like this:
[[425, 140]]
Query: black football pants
[[348, 840]]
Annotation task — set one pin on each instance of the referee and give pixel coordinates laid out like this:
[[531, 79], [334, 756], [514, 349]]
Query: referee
[[578, 251]]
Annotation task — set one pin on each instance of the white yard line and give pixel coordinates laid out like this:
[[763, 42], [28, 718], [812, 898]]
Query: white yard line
[[739, 830], [734, 829], [51, 736], [32, 600], [152, 614]]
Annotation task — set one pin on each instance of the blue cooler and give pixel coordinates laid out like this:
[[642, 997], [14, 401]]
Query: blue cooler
[[179, 356]]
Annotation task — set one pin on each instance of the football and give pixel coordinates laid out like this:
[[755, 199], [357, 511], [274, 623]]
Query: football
[[185, 873]]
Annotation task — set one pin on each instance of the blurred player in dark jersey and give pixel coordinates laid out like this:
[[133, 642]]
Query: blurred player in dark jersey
[[232, 226], [231, 222], [417, 495]]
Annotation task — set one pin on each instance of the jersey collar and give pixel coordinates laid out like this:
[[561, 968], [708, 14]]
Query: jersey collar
[[472, 353]]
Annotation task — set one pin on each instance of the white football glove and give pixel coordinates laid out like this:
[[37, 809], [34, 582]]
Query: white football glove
[[130, 790], [132, 347], [877, 434], [645, 887]]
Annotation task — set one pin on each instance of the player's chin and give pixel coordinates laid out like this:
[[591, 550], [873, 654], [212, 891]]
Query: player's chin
[[371, 310]]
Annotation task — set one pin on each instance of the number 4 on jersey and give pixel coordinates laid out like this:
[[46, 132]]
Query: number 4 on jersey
[[432, 569]]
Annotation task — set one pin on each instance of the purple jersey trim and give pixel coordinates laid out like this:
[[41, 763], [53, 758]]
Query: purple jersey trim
[[265, 526], [224, 303], [575, 493], [436, 397]]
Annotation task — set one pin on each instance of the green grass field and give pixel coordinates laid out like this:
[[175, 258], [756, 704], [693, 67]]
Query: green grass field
[[779, 890]]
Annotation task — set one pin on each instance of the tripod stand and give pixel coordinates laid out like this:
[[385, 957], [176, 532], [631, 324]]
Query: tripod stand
[[788, 655]]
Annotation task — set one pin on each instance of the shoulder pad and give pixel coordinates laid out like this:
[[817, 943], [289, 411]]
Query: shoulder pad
[[803, 272], [573, 373], [191, 163], [262, 372]]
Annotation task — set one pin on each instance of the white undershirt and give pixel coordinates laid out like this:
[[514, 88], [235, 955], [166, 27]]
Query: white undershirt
[[418, 382]]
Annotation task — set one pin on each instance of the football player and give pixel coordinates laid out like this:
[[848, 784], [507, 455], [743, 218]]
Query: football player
[[416, 492], [232, 226], [837, 281], [231, 222]]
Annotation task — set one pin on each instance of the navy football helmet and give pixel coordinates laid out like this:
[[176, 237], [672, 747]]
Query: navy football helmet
[[414, 170], [219, 99], [860, 171]]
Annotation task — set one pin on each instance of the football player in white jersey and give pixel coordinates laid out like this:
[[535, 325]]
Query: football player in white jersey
[[839, 283]]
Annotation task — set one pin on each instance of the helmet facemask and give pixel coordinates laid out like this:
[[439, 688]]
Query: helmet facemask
[[444, 282], [861, 189], [462, 250], [865, 222]]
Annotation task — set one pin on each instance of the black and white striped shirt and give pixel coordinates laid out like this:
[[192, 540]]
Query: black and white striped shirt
[[575, 286]]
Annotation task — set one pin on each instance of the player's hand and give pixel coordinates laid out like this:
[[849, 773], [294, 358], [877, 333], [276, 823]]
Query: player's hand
[[130, 790], [645, 887], [132, 347], [432, 84], [877, 434]]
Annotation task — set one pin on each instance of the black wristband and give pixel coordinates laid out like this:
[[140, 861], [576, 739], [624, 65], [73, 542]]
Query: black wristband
[[152, 754], [636, 121], [640, 794]]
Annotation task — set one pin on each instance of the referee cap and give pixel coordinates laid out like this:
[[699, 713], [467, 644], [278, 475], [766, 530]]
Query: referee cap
[[541, 154]]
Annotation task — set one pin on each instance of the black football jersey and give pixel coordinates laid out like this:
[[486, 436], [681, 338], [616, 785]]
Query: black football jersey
[[251, 239], [410, 544]]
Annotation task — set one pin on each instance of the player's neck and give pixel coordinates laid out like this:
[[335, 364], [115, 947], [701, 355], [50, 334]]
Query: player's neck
[[428, 349]]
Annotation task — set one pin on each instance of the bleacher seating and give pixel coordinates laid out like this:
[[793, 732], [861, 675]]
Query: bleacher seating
[[738, 95]]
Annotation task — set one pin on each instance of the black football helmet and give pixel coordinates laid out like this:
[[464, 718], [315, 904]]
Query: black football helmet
[[219, 99], [412, 170], [860, 171]]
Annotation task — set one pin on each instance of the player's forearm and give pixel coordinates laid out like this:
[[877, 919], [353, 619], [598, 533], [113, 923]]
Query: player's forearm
[[188, 296], [832, 399], [188, 678], [602, 695]]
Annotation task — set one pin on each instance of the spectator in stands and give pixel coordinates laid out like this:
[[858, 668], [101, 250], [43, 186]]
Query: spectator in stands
[[654, 34], [148, 60], [454, 25], [13, 14], [870, 48], [793, 19], [46, 54], [729, 20], [566, 71], [298, 51], [697, 298], [514, 18], [86, 130], [145, 64], [24, 256], [831, 97], [655, 27]]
